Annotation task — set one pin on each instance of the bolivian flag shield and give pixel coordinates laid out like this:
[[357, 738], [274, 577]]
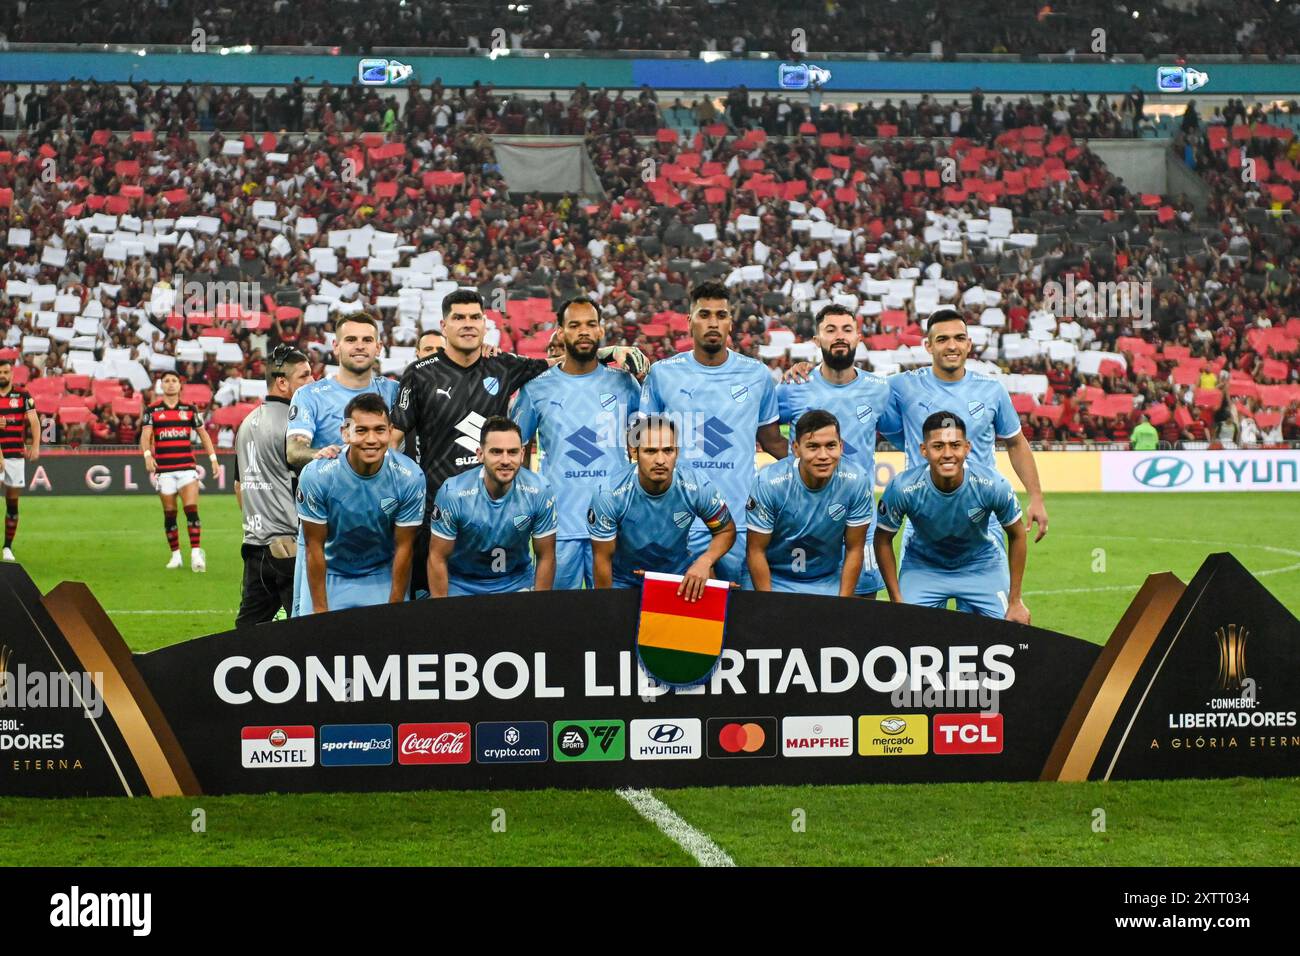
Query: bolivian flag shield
[[679, 642]]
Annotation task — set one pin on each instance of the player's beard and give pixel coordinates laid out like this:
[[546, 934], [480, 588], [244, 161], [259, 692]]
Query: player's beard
[[582, 351], [837, 362], [712, 348]]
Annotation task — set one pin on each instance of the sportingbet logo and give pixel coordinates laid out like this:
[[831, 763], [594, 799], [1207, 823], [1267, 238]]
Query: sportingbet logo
[[356, 745], [583, 448], [433, 743], [1163, 471], [968, 733]]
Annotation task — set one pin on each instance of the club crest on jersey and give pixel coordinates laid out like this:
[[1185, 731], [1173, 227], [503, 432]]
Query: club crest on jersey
[[607, 399], [185, 415], [491, 385], [521, 521], [388, 505], [681, 518], [836, 511], [13, 403], [976, 409], [739, 392], [863, 412], [978, 515]]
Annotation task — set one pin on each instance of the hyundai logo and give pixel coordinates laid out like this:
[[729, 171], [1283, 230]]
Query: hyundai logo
[[1163, 471], [665, 733]]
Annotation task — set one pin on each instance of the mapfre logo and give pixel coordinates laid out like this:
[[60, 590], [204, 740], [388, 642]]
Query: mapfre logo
[[433, 743], [967, 733], [817, 736]]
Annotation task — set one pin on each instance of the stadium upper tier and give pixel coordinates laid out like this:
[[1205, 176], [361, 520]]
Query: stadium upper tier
[[116, 245], [1030, 27]]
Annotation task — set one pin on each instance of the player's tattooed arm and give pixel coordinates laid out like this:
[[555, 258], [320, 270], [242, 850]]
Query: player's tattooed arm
[[772, 441], [1017, 552], [299, 452], [883, 545], [1021, 457], [756, 555], [544, 549]]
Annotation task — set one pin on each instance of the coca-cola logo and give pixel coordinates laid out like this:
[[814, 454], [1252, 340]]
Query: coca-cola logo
[[433, 743]]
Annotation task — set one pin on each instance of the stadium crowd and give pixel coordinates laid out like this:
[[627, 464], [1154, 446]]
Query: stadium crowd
[[811, 216], [1256, 27]]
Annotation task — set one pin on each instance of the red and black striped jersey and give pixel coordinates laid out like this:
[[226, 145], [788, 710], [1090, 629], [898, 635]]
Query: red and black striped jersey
[[174, 429], [13, 421]]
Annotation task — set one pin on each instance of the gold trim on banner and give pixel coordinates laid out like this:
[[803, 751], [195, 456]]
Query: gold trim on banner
[[101, 650], [1089, 721]]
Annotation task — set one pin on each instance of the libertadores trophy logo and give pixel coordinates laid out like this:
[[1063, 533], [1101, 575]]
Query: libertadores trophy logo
[[1232, 655]]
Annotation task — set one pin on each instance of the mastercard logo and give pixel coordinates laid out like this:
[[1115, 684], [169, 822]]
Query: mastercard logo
[[738, 738]]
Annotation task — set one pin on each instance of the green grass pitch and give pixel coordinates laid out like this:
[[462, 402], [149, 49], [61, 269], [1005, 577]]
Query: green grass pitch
[[1080, 579]]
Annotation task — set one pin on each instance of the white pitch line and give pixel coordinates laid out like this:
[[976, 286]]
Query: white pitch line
[[190, 611], [704, 851]]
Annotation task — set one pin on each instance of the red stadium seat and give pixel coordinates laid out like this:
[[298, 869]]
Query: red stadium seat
[[75, 414], [76, 383], [200, 395]]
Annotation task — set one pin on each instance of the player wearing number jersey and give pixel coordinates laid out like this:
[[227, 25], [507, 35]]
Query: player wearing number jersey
[[721, 401], [855, 397], [167, 435], [808, 515], [953, 554], [17, 415], [580, 410], [484, 519]]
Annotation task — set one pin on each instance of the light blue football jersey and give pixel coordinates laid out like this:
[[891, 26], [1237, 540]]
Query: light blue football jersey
[[951, 530], [718, 411], [492, 536], [316, 411], [807, 526], [581, 421], [361, 513], [981, 401], [858, 405], [653, 531]]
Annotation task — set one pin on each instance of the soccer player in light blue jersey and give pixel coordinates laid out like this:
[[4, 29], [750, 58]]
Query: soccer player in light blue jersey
[[484, 520], [316, 412], [641, 519], [360, 512], [721, 401], [981, 400], [856, 398], [580, 411], [953, 554], [808, 515]]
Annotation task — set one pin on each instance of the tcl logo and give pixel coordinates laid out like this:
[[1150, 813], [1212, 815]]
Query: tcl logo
[[968, 733], [433, 743]]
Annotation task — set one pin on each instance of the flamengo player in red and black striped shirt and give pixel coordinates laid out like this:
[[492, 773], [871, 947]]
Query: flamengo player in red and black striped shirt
[[167, 440], [17, 414]]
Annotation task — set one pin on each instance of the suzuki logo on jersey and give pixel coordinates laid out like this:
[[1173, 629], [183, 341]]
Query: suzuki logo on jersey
[[471, 433], [491, 385], [584, 450], [739, 392], [713, 433]]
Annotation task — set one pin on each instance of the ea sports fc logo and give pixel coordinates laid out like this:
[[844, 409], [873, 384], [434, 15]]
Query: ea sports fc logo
[[1163, 471]]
